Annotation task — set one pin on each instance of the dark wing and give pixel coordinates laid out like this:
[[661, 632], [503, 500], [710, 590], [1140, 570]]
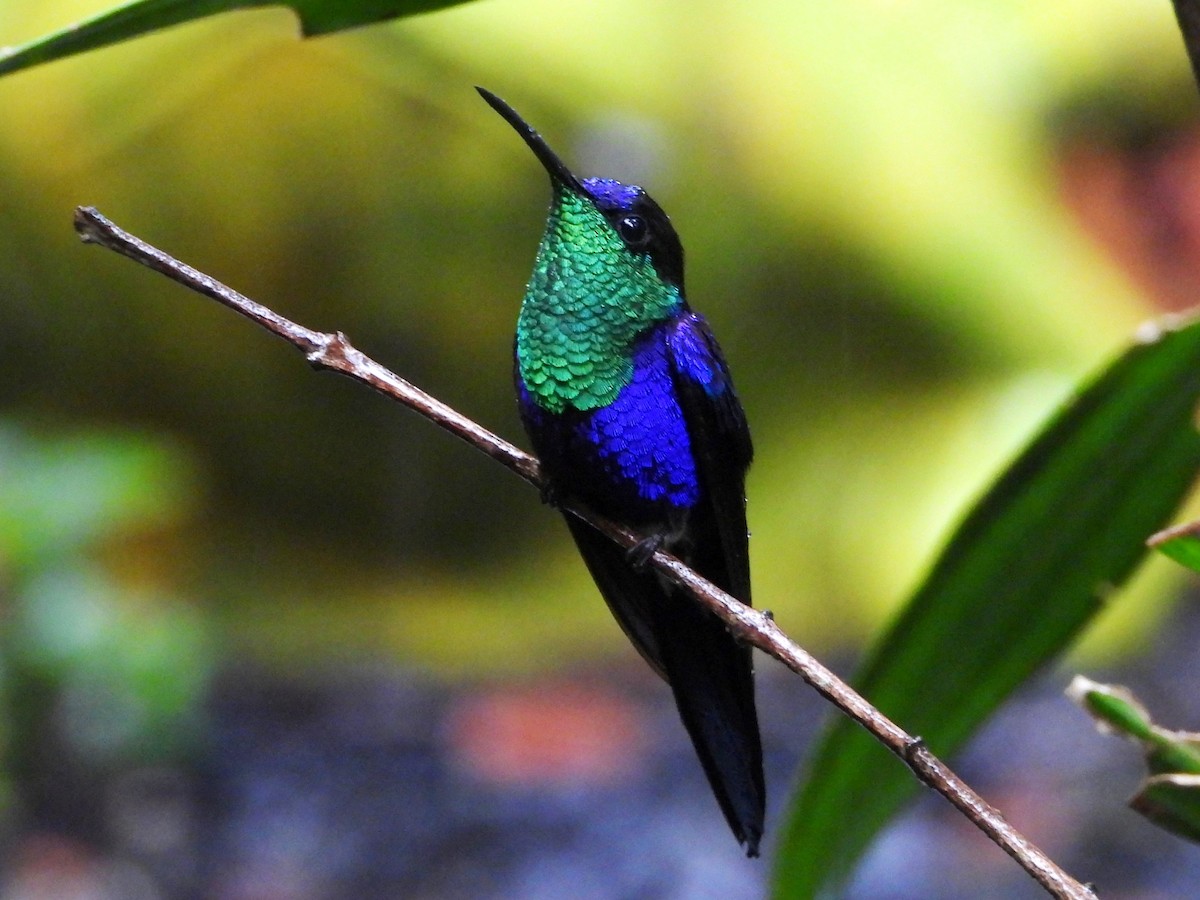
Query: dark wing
[[722, 449], [635, 598], [711, 674]]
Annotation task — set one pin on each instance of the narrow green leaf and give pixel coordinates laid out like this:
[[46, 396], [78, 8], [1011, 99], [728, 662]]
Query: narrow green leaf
[[1030, 565], [1172, 802], [1113, 707], [143, 16], [1181, 543]]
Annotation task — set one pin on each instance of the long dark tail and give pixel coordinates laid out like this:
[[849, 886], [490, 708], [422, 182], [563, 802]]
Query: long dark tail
[[709, 673], [711, 676]]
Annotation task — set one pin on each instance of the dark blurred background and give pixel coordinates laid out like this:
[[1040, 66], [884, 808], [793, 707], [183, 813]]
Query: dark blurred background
[[268, 635]]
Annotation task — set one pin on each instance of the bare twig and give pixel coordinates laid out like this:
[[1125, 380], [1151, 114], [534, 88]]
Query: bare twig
[[333, 351]]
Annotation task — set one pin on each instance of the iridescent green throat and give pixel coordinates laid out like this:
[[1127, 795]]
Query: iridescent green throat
[[588, 299]]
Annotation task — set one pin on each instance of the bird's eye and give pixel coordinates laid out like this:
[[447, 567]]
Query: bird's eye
[[633, 230]]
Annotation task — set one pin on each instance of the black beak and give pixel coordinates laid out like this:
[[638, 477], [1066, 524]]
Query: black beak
[[559, 173]]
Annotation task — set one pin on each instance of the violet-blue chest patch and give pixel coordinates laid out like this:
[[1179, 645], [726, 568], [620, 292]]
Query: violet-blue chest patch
[[641, 438]]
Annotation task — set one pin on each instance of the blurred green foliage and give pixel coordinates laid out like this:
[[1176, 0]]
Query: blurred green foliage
[[62, 494], [103, 661]]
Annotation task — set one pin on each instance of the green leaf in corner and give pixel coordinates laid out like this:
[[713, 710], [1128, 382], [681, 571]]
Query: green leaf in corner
[[1029, 566], [1181, 543], [1170, 797], [143, 16], [1172, 802]]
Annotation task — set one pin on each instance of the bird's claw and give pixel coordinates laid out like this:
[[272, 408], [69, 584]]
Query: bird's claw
[[639, 554], [550, 494]]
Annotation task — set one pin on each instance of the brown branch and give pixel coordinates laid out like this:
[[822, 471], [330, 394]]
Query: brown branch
[[333, 351]]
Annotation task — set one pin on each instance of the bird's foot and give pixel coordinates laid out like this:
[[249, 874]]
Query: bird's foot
[[550, 494], [639, 554]]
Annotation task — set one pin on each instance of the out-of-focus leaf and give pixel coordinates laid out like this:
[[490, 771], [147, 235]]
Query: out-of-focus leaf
[[1030, 565], [1172, 802], [1170, 797], [1181, 543], [1187, 14], [1116, 710], [143, 16], [60, 493], [131, 667]]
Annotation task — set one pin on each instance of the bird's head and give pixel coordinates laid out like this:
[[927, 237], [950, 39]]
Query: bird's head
[[600, 215]]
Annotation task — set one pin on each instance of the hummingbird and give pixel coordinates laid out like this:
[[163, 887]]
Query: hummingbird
[[630, 407]]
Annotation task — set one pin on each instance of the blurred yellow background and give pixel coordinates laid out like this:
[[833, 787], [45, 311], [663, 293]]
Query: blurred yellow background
[[871, 196]]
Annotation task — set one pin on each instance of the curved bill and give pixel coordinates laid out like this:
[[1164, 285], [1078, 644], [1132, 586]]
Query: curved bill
[[548, 158]]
